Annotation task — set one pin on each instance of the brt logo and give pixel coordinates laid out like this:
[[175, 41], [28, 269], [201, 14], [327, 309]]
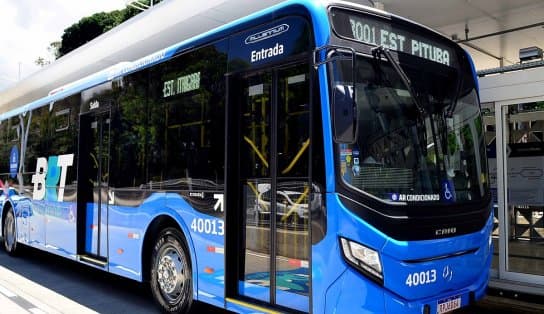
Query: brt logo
[[48, 175]]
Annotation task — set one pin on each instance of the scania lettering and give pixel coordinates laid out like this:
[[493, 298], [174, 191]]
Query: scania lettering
[[315, 156]]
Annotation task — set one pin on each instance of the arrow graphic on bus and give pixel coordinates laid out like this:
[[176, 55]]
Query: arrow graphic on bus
[[219, 203]]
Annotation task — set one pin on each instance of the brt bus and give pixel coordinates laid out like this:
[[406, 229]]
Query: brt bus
[[316, 156]]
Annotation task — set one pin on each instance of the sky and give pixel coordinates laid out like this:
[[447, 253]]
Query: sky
[[27, 27]]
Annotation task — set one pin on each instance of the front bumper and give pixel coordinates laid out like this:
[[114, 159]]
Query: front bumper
[[356, 294]]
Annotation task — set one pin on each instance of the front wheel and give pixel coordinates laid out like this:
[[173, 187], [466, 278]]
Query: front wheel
[[10, 233], [171, 275]]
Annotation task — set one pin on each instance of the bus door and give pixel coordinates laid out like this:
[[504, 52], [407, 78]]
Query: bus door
[[94, 146], [268, 190]]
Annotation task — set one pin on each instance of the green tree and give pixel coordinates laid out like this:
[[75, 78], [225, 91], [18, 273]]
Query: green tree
[[90, 27], [87, 29]]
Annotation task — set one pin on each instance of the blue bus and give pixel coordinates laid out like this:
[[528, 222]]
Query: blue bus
[[317, 157]]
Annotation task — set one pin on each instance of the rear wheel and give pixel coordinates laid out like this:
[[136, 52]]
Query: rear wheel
[[10, 233], [171, 275]]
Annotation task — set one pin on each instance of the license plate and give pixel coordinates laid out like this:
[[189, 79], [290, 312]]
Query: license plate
[[448, 305]]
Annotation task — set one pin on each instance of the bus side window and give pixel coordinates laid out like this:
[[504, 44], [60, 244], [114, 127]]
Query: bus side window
[[129, 127], [62, 120], [38, 142], [187, 117]]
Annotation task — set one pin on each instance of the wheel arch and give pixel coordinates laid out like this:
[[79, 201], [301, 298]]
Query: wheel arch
[[159, 223]]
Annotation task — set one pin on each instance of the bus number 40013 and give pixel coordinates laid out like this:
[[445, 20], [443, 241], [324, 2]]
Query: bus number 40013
[[421, 278], [208, 226]]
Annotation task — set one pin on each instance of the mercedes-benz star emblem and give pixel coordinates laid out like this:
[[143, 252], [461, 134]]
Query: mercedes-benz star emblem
[[447, 273]]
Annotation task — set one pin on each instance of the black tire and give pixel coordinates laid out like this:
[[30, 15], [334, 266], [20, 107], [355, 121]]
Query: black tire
[[171, 273], [9, 229]]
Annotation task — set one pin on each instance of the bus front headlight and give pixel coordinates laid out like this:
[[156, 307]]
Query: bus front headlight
[[362, 258]]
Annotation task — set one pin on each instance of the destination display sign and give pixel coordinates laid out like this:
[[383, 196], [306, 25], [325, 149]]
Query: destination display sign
[[372, 30]]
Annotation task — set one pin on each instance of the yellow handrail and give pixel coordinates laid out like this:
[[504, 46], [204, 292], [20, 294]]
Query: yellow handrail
[[256, 150], [297, 204], [297, 157]]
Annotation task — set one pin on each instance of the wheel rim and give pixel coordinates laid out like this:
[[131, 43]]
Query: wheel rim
[[172, 275], [9, 228]]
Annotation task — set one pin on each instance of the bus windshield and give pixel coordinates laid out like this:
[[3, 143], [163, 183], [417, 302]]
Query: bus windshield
[[420, 140]]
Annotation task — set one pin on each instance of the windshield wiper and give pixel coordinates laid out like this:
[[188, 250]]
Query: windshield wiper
[[380, 50]]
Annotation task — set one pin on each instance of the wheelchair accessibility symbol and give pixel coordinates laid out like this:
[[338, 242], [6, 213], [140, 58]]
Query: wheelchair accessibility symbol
[[448, 191]]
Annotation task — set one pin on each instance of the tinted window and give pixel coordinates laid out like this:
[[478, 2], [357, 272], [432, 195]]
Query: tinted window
[[168, 124], [63, 121], [187, 116], [40, 142], [129, 132]]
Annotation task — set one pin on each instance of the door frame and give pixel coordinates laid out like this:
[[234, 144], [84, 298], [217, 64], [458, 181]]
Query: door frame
[[234, 236], [83, 187]]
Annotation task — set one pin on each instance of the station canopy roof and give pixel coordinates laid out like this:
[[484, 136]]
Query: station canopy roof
[[496, 29]]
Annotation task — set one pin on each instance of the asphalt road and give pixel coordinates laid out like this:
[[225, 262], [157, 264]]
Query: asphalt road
[[37, 282]]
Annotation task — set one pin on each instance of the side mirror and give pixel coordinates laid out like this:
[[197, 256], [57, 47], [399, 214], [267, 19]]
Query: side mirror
[[344, 112]]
